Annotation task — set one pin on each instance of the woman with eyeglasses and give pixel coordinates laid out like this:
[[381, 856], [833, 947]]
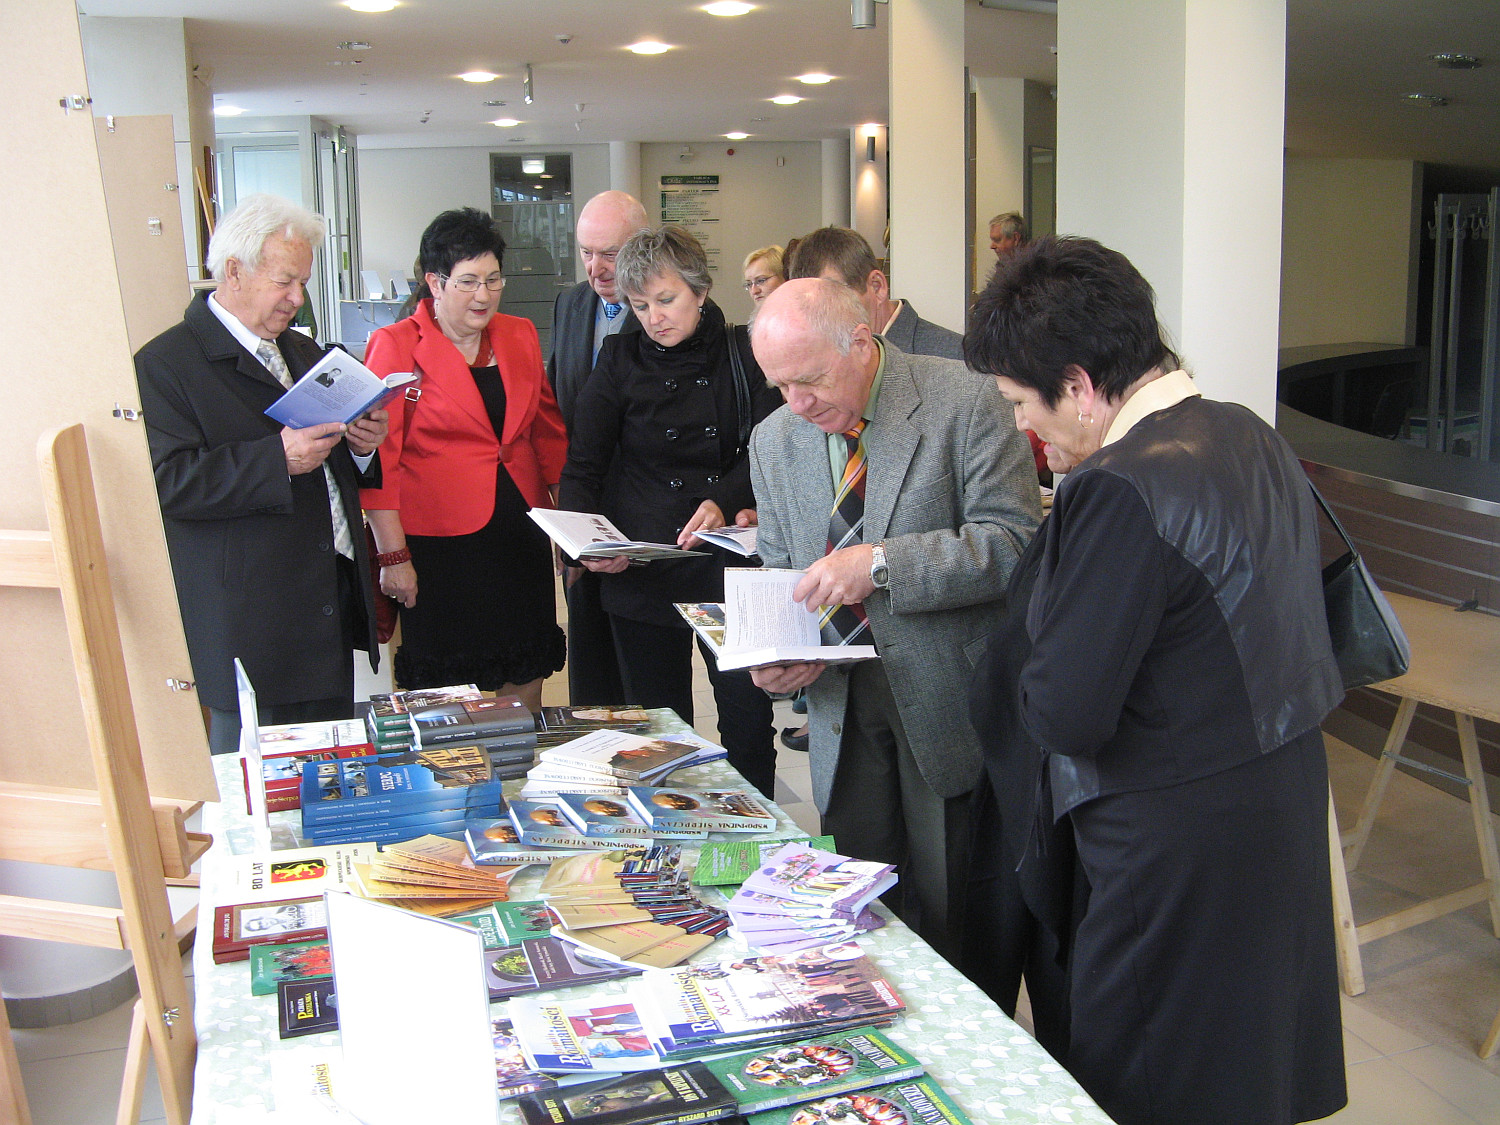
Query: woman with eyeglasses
[[464, 461], [764, 271]]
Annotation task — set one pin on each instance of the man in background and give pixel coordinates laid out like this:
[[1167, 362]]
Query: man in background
[[1007, 233], [901, 486], [841, 254], [262, 521], [583, 316]]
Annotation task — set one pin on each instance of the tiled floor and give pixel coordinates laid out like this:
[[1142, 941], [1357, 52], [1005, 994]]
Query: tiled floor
[[1409, 1040]]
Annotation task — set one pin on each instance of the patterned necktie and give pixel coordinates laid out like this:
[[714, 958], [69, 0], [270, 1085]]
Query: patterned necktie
[[841, 624], [271, 356], [611, 310]]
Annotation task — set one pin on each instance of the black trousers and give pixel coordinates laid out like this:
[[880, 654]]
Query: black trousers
[[593, 667], [656, 666], [224, 726]]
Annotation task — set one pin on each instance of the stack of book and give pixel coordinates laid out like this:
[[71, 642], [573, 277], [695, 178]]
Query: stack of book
[[556, 725], [501, 726], [801, 897], [723, 863], [388, 720], [397, 797], [553, 776], [284, 750], [669, 812], [431, 869]]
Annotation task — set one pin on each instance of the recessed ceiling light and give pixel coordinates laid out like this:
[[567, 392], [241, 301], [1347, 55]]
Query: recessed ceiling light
[[1436, 101], [506, 122], [1450, 61], [227, 111], [736, 136], [814, 79], [648, 47], [786, 99], [479, 76], [354, 45], [728, 8], [369, 5]]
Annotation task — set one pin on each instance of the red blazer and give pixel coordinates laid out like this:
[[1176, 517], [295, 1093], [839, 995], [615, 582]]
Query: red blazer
[[441, 475]]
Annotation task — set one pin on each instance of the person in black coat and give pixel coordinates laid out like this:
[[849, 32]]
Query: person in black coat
[[1179, 669], [262, 521], [659, 445]]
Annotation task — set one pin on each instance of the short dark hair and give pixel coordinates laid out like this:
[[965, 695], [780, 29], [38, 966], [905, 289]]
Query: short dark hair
[[456, 236], [844, 249], [1056, 302]]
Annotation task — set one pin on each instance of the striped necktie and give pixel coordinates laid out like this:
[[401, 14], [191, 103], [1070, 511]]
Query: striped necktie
[[842, 624], [343, 541]]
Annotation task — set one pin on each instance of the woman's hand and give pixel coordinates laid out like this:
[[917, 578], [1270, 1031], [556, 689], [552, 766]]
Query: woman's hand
[[708, 516], [617, 565], [400, 582]]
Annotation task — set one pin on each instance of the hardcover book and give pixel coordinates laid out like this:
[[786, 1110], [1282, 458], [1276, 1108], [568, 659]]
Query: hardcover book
[[920, 1101], [238, 927], [270, 965], [814, 1069], [619, 754], [306, 1007], [669, 1095], [503, 716], [695, 810]]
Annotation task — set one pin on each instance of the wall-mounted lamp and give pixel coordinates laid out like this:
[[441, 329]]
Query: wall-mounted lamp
[[870, 149], [862, 13], [526, 87]]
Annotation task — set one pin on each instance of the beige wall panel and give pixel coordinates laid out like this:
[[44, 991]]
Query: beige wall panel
[[67, 355]]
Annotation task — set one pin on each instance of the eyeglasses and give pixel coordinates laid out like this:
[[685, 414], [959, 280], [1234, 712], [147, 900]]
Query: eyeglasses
[[756, 283], [472, 284]]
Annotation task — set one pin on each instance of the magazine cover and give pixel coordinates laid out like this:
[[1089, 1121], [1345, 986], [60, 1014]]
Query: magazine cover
[[688, 1092], [817, 1068], [708, 999], [822, 878], [920, 1101], [708, 810], [577, 1036]]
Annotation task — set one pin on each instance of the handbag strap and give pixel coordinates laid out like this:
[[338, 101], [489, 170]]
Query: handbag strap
[[741, 384], [1328, 513]]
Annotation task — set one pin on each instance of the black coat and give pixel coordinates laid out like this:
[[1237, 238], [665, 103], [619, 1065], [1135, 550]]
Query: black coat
[[655, 433], [252, 548]]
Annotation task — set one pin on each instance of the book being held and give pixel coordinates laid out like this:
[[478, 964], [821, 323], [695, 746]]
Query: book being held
[[584, 535], [760, 625], [338, 388]]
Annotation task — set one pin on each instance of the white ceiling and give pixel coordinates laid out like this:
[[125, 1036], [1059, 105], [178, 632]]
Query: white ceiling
[[1348, 62]]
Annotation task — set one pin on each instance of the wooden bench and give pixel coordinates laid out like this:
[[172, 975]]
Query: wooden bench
[[1455, 665]]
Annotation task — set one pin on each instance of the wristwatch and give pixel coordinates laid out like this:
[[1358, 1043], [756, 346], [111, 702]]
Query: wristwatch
[[880, 574]]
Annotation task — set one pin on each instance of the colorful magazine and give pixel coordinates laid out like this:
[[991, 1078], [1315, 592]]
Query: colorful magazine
[[727, 862], [820, 878], [578, 1036], [920, 1101], [791, 1073]]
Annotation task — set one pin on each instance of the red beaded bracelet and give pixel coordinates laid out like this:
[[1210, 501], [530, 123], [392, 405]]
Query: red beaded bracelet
[[393, 558]]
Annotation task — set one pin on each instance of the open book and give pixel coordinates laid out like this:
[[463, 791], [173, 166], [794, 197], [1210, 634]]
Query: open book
[[740, 540], [338, 388], [584, 535], [759, 624]]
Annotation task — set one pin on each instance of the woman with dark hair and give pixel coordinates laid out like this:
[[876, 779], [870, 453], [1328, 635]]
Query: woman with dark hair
[[660, 446], [1178, 672], [464, 461]]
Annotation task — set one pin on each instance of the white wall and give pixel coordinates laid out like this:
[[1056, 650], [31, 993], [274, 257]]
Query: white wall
[[1349, 238], [761, 201], [401, 190], [999, 160]]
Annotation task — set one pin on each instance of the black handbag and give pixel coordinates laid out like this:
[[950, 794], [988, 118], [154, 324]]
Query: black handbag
[[1368, 641]]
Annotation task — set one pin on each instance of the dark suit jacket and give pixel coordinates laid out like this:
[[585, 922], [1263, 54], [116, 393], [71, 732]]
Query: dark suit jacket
[[916, 336], [252, 548], [572, 357]]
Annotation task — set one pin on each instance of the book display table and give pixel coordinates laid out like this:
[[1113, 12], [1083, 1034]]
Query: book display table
[[987, 1063]]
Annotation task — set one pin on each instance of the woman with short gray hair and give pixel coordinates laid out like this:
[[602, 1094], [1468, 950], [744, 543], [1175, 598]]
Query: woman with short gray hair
[[660, 446]]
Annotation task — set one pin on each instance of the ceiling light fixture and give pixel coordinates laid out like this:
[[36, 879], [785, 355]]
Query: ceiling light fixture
[[534, 166], [227, 111], [346, 62], [354, 45], [494, 103], [479, 76], [506, 122], [728, 8], [1450, 61], [649, 47], [814, 79], [1435, 101], [735, 136], [369, 5], [786, 99]]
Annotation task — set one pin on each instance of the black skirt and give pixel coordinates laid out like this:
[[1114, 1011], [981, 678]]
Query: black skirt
[[486, 608]]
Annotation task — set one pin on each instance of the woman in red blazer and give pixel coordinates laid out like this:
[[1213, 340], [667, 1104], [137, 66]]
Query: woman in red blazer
[[464, 462]]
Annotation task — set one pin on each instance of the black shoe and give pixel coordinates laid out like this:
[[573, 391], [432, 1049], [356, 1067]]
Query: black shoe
[[794, 739]]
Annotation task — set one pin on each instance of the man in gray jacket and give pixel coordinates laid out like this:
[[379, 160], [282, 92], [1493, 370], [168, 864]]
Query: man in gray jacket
[[936, 498]]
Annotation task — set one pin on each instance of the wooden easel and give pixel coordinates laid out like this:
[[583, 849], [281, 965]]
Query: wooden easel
[[118, 828]]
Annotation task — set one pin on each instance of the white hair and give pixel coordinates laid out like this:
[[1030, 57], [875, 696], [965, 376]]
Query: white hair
[[242, 233]]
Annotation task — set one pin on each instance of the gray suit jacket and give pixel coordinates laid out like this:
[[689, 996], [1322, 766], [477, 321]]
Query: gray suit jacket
[[952, 494], [916, 336], [571, 360]]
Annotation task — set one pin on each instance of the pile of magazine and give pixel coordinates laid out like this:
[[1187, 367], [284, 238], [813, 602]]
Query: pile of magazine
[[801, 897]]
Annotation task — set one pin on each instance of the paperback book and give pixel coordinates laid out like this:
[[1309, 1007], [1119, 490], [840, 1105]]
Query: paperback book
[[542, 824], [271, 965], [264, 876], [603, 816], [584, 535], [823, 879], [619, 754], [919, 1101], [495, 841], [472, 720], [306, 1007], [581, 1036], [665, 1096], [390, 710], [670, 811], [727, 862], [355, 787], [513, 1077], [338, 388], [813, 1069], [562, 723]]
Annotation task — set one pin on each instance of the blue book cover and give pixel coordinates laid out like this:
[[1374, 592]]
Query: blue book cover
[[348, 788]]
